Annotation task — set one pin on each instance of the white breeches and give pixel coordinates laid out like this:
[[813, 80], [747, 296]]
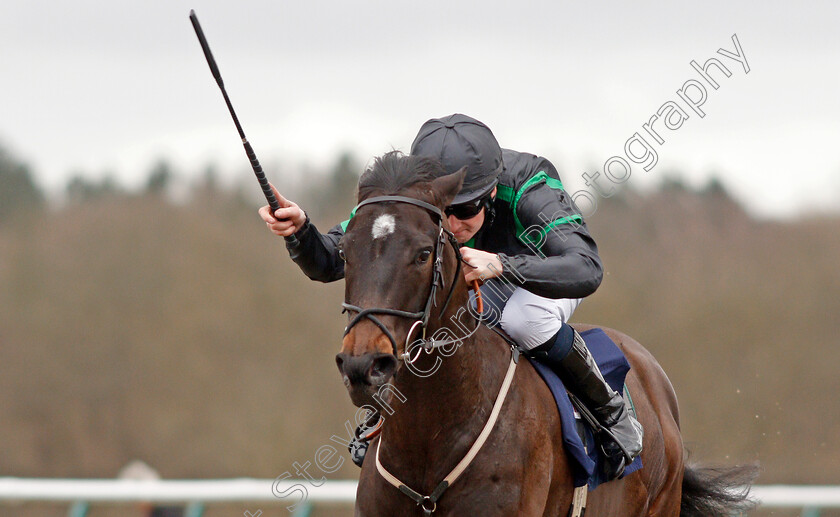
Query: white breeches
[[529, 320]]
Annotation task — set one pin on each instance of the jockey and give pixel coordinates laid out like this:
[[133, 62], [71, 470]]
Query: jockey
[[525, 239]]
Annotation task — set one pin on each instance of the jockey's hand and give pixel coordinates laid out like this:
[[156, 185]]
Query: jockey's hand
[[287, 220], [481, 265]]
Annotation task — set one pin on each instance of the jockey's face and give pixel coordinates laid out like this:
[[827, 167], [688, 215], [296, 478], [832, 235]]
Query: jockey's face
[[465, 229]]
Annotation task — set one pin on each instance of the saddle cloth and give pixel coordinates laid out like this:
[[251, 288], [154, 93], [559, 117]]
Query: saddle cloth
[[585, 458]]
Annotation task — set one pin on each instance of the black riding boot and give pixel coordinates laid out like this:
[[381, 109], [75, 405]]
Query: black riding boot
[[568, 356]]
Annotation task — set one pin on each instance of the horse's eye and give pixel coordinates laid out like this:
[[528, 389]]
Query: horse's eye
[[341, 255], [423, 256]]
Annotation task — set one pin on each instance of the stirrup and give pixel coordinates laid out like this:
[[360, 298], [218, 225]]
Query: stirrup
[[617, 459]]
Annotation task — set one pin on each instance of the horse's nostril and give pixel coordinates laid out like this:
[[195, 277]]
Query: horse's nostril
[[383, 368], [367, 369]]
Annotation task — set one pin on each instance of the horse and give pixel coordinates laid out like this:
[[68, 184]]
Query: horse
[[403, 278]]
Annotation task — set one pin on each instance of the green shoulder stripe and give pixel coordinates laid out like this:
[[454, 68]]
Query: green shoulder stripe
[[540, 177], [507, 194]]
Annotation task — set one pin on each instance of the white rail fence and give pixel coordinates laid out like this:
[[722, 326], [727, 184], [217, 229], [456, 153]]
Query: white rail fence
[[197, 493]]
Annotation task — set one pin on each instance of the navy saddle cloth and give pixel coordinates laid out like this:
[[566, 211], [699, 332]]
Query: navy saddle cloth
[[586, 461]]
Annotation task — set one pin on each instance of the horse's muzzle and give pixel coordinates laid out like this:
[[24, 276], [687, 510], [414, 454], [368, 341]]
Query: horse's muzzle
[[364, 374]]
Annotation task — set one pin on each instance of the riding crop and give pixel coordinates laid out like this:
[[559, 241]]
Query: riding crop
[[249, 151]]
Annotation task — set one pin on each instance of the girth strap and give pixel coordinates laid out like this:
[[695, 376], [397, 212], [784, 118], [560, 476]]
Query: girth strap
[[429, 502], [579, 501]]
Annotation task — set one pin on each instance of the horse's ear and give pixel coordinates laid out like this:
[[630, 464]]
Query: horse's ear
[[447, 187]]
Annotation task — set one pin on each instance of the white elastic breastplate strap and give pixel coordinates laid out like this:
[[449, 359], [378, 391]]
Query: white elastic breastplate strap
[[479, 442]]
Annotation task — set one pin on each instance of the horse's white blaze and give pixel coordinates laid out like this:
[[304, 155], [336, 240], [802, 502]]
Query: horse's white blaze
[[384, 225]]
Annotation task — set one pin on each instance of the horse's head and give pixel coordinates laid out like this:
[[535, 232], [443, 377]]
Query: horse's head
[[399, 268]]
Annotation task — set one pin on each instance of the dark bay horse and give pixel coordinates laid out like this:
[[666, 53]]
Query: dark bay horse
[[402, 268]]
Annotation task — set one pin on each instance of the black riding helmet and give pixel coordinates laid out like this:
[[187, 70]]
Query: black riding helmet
[[459, 141]]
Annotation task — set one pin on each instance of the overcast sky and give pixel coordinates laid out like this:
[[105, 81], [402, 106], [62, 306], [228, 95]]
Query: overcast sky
[[110, 86]]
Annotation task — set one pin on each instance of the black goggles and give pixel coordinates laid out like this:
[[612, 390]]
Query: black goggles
[[467, 210]]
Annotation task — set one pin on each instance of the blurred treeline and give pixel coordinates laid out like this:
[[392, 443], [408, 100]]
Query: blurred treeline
[[178, 332]]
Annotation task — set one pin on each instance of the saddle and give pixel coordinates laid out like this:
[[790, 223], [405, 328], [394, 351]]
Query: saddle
[[579, 430]]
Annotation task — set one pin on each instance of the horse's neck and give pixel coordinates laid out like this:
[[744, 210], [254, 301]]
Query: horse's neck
[[444, 412]]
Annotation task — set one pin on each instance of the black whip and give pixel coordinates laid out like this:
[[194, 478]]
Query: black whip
[[255, 163]]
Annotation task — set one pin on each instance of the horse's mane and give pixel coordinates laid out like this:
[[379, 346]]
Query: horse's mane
[[394, 172]]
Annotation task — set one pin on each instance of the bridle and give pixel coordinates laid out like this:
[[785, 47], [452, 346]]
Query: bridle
[[428, 503], [438, 282]]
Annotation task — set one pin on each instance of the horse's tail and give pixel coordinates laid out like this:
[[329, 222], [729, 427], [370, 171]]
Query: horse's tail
[[717, 491]]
